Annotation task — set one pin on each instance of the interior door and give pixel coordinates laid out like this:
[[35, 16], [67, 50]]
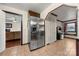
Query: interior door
[[53, 28], [2, 31], [50, 29]]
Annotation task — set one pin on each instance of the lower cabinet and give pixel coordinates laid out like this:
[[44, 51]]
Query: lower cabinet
[[13, 35]]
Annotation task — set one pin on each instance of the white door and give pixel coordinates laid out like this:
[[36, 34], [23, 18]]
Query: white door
[[53, 28], [50, 29], [2, 31]]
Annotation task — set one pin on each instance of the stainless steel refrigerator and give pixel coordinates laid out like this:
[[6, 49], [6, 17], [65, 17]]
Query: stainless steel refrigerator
[[36, 33]]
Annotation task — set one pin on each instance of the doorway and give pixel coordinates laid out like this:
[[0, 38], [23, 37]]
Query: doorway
[[13, 29], [66, 19]]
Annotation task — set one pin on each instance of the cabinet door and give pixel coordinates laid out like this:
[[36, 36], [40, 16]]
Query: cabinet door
[[9, 36], [17, 35], [2, 31]]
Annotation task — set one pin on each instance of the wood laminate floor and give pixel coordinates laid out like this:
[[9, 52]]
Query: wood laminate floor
[[59, 48], [13, 43], [70, 47]]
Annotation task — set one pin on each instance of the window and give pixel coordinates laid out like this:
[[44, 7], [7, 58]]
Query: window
[[70, 27]]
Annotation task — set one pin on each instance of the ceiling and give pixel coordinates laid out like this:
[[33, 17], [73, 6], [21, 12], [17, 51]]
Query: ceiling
[[65, 13], [37, 7]]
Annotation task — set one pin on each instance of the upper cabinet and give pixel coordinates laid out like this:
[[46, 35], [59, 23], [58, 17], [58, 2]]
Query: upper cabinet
[[32, 13]]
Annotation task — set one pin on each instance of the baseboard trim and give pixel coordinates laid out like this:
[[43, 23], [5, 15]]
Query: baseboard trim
[[25, 43], [70, 37]]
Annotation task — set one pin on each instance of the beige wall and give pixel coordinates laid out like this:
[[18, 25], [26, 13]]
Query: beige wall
[[24, 19]]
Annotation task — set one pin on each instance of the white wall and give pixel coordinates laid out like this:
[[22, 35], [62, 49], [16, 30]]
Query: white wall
[[78, 24], [48, 9], [15, 20], [16, 26], [24, 19], [2, 31], [59, 23]]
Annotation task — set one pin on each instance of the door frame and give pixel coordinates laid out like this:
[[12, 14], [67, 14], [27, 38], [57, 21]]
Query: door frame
[[21, 40]]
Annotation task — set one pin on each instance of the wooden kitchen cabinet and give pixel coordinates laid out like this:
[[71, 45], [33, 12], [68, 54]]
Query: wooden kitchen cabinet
[[13, 35], [17, 35], [9, 36]]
